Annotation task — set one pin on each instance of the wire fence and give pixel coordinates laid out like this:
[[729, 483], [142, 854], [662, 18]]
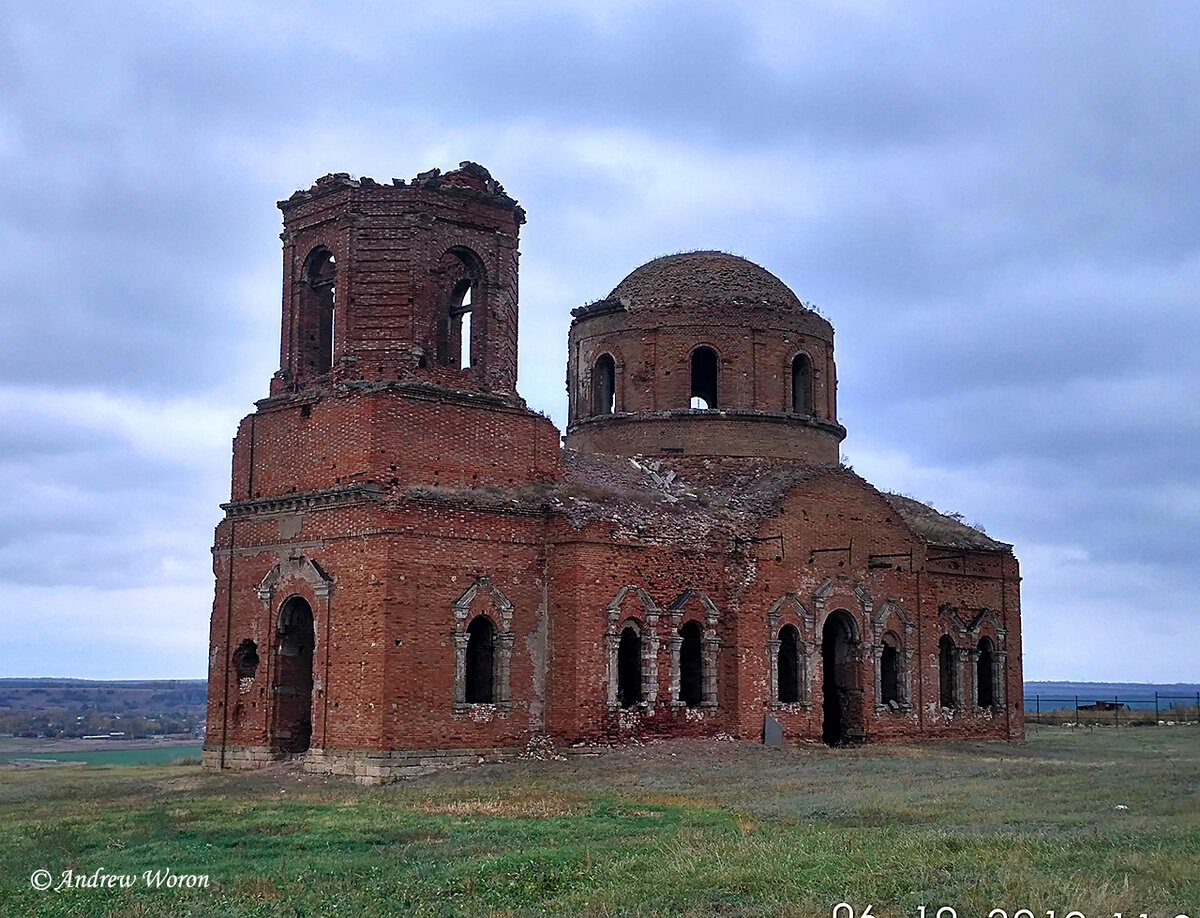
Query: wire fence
[[1113, 711]]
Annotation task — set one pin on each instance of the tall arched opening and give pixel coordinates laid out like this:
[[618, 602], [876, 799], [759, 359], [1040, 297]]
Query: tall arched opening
[[789, 664], [704, 378], [985, 674], [947, 672], [462, 324], [802, 400], [481, 639], [291, 729], [840, 694], [889, 671], [629, 667], [316, 313], [604, 385], [691, 664]]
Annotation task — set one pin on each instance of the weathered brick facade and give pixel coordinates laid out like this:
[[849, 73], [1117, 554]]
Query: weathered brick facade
[[412, 572]]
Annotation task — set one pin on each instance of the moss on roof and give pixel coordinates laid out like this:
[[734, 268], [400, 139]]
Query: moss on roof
[[946, 530], [699, 278]]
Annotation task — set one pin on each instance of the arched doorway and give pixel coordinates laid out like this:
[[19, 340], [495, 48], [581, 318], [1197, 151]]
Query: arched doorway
[[840, 693], [291, 730]]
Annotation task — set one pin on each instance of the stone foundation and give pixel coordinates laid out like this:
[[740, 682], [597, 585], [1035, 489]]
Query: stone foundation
[[365, 766]]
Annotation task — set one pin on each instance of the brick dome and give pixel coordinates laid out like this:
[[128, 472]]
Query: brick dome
[[704, 354], [703, 278]]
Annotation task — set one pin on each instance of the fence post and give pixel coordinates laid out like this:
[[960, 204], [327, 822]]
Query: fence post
[[1156, 709], [1117, 711], [1075, 716], [1038, 701]]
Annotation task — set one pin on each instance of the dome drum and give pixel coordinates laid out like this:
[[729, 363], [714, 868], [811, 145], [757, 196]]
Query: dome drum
[[689, 432], [704, 354]]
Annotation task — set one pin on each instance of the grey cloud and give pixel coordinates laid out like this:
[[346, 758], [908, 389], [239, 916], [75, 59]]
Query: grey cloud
[[1002, 227]]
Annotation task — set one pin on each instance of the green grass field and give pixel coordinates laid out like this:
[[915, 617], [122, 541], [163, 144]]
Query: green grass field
[[152, 756], [1097, 823]]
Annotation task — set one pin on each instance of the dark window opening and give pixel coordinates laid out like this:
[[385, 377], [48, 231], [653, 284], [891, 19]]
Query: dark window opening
[[480, 640], [317, 311], [691, 665], [802, 402], [946, 680], [245, 659], [985, 672], [629, 668], [292, 691], [604, 385], [704, 378], [838, 682], [789, 665], [889, 674]]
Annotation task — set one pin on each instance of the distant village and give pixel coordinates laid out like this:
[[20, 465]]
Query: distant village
[[126, 710]]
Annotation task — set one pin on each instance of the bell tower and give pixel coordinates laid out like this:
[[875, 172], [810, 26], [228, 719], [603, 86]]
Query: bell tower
[[373, 489], [408, 281], [398, 354]]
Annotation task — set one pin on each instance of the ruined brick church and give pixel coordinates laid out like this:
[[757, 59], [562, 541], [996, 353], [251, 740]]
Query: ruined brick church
[[415, 569]]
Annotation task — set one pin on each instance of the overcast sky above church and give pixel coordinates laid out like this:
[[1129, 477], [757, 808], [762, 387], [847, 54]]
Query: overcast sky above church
[[995, 205]]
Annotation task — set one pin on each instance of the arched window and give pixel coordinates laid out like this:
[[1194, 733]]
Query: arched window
[[481, 635], [691, 665], [947, 681], [462, 282], [704, 378], [802, 401], [985, 674], [889, 671], [629, 667], [604, 385], [789, 664], [315, 332]]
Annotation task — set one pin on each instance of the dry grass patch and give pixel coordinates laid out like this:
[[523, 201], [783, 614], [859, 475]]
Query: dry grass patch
[[534, 806]]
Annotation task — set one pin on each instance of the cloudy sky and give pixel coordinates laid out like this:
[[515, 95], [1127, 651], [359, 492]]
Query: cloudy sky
[[995, 205]]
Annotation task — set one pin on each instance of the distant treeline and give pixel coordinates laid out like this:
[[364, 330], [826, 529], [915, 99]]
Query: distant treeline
[[79, 707], [148, 707]]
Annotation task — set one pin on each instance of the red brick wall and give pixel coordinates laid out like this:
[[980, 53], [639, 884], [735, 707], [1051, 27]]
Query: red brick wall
[[652, 349], [709, 433], [391, 437], [398, 566], [395, 278]]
